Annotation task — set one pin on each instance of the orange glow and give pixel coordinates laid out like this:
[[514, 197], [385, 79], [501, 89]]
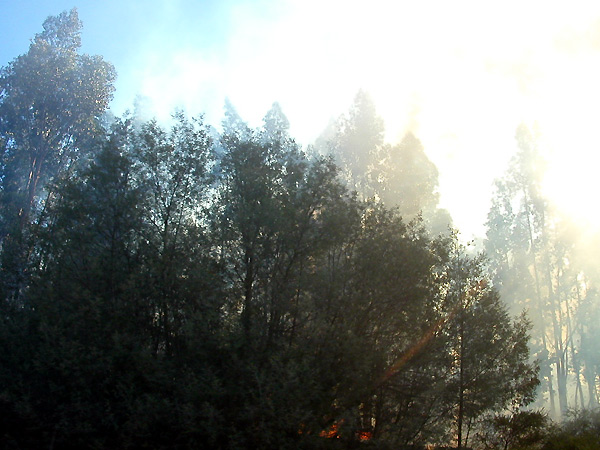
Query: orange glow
[[332, 433], [364, 435]]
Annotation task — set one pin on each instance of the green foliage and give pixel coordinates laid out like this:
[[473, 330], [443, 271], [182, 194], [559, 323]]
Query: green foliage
[[407, 178], [358, 138], [517, 430], [188, 293], [581, 431], [399, 176], [51, 98]]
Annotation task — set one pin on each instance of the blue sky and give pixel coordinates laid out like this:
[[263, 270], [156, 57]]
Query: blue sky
[[117, 28], [462, 75], [124, 32]]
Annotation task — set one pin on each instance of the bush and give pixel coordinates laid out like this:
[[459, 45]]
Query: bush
[[580, 432]]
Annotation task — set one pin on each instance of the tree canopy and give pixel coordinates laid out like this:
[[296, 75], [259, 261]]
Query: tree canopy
[[182, 288], [50, 101]]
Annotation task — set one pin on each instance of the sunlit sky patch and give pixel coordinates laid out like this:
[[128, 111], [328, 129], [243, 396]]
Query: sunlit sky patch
[[462, 75]]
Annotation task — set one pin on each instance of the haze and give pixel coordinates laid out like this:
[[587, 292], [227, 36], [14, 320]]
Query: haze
[[461, 75], [276, 205]]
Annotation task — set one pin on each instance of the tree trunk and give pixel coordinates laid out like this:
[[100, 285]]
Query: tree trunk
[[248, 294]]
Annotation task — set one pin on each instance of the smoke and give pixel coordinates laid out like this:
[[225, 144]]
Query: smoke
[[461, 75]]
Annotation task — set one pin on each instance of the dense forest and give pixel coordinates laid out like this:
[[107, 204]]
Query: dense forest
[[178, 286]]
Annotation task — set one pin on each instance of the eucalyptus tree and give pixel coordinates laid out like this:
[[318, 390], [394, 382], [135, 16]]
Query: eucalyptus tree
[[588, 321], [51, 98], [536, 266], [407, 179], [399, 175], [356, 143]]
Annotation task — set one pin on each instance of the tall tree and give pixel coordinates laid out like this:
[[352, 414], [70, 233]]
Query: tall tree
[[589, 330], [535, 265], [406, 178], [399, 175], [377, 298], [357, 141], [50, 100], [123, 309], [267, 223]]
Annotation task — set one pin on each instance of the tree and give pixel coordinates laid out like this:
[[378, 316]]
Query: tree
[[589, 329], [379, 282], [407, 179], [356, 144], [464, 358], [517, 430], [172, 169], [122, 314], [491, 355], [536, 265], [267, 222], [82, 308], [276, 127], [398, 175], [181, 284], [50, 100], [233, 125]]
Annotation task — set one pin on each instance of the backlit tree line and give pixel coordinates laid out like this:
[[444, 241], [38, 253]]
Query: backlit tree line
[[544, 262], [178, 287]]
